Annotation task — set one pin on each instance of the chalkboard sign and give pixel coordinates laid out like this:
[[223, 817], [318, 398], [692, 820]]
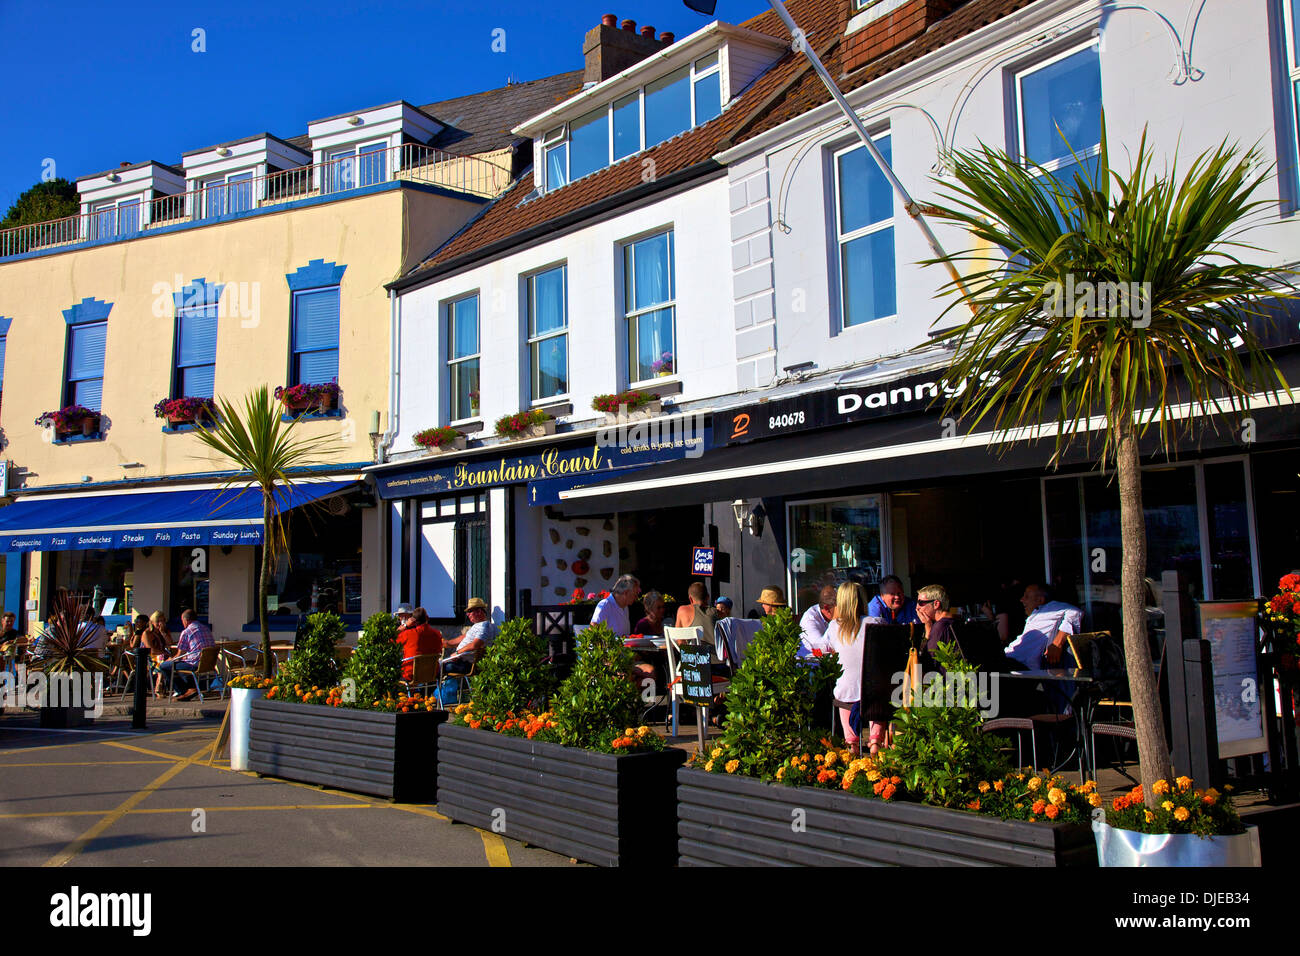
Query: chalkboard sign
[[351, 593], [696, 671], [201, 602]]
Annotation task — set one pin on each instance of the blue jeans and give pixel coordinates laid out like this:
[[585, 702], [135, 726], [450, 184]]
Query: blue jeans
[[180, 667]]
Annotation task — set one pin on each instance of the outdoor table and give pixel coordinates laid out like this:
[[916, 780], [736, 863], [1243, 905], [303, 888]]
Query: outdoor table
[[1063, 676]]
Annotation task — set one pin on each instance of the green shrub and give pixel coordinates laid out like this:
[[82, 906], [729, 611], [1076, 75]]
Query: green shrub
[[375, 667], [772, 697], [313, 663], [940, 752], [512, 676], [597, 701]]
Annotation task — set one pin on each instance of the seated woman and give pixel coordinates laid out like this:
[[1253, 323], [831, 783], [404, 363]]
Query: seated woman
[[845, 635], [653, 622], [417, 636]]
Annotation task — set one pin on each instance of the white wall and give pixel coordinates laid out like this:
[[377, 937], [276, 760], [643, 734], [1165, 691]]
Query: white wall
[[706, 351]]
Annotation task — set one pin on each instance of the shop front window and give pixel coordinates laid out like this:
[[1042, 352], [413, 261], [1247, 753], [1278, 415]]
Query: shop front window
[[832, 542], [322, 569], [99, 576]]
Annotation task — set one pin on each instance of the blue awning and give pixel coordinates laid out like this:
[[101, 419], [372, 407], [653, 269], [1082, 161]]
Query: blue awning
[[147, 519]]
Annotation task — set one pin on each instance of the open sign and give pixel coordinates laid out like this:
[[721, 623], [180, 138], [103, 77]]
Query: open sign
[[702, 561]]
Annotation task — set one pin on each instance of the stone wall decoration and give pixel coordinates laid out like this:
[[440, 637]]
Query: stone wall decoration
[[561, 564], [555, 535], [607, 548], [583, 531], [579, 582], [584, 555], [608, 525], [606, 573], [568, 549]]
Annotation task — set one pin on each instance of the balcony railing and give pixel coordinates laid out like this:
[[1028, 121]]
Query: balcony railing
[[244, 193]]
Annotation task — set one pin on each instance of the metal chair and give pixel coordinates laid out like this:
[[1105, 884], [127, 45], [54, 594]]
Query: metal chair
[[460, 680], [1110, 656], [206, 667], [425, 670]]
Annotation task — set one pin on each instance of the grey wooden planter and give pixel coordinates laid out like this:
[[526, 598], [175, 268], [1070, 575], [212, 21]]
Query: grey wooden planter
[[739, 821], [385, 755], [600, 808]]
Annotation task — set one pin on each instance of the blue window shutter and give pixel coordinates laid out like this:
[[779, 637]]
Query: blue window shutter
[[198, 381], [86, 363], [316, 336], [197, 334], [4, 340]]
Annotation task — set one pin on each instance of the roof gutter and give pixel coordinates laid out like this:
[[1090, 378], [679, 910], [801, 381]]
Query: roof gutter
[[623, 199]]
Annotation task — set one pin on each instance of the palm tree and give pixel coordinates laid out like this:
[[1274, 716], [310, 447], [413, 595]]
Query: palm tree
[[1171, 326], [267, 454]]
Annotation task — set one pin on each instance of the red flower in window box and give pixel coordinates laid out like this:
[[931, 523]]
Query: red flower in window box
[[70, 419], [185, 411], [309, 398]]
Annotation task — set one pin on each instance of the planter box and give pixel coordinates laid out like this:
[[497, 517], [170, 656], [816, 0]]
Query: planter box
[[738, 821], [600, 808], [652, 409], [1117, 847], [60, 718], [385, 755], [456, 444]]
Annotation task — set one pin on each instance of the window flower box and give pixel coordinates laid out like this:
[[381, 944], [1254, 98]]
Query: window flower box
[[307, 399], [531, 424], [634, 405], [185, 411], [438, 440], [390, 755], [606, 809], [70, 420]]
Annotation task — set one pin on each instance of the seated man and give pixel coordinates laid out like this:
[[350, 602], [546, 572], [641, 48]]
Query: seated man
[[612, 611], [697, 612], [814, 622], [194, 638], [890, 605], [473, 644], [723, 607], [1048, 623]]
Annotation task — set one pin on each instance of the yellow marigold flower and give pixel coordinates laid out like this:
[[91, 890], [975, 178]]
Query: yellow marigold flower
[[829, 759], [1167, 805], [984, 786], [1183, 782], [717, 752], [1094, 799], [709, 766], [643, 731], [1161, 787], [873, 775], [1151, 817], [998, 785], [780, 773], [1056, 797], [732, 765], [1034, 783], [628, 732], [1181, 814]]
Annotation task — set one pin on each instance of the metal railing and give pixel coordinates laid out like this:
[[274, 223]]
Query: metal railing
[[245, 193]]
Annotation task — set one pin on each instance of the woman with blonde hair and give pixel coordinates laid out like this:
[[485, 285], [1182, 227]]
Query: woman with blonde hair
[[159, 641], [845, 634]]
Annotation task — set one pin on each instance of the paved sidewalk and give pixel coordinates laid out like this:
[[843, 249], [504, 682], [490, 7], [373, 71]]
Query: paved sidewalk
[[110, 796]]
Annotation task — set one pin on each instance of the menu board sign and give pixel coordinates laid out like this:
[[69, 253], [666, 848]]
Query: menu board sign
[[1230, 627], [697, 671]]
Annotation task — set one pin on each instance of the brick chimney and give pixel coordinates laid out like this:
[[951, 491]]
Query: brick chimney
[[880, 32], [610, 50]]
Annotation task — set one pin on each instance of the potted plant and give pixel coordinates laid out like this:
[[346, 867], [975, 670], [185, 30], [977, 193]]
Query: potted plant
[[72, 671], [308, 398], [581, 779], [243, 691], [941, 795], [438, 440], [530, 424], [473, 401], [70, 420], [1180, 826], [631, 405], [184, 411], [361, 734], [664, 365]]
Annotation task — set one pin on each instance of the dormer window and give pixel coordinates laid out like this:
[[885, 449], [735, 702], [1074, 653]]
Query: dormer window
[[227, 194], [685, 98], [360, 166]]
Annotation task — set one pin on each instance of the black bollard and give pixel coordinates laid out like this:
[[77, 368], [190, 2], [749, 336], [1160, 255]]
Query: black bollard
[[141, 687]]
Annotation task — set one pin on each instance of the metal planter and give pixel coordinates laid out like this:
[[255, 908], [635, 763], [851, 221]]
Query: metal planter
[[1116, 847], [739, 821], [600, 808], [384, 755]]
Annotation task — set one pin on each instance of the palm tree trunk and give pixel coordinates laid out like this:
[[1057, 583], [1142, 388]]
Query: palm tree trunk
[[264, 585], [1153, 753]]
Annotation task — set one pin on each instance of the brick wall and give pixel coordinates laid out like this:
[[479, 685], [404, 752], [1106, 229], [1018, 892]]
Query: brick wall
[[891, 30]]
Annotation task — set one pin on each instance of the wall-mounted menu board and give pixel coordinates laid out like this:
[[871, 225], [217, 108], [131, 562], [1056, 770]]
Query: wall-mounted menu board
[[1231, 629]]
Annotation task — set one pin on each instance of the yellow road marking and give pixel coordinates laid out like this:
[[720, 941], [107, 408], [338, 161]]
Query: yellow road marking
[[136, 810], [495, 848], [85, 763], [77, 845], [422, 811], [144, 750], [297, 783]]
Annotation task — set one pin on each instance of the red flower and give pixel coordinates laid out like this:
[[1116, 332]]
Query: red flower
[[1289, 582]]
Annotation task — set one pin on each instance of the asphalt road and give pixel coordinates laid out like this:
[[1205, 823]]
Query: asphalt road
[[116, 797]]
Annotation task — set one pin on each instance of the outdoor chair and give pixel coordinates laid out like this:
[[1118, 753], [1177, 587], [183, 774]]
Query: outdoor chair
[[425, 671], [733, 635], [459, 681], [1113, 692], [673, 636], [206, 667]]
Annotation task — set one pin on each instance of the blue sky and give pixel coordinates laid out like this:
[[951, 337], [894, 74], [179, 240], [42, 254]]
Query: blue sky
[[92, 85]]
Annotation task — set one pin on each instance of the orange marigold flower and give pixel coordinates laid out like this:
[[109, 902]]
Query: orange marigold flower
[[1039, 806], [732, 765], [1056, 796], [1181, 814], [983, 787], [1034, 783], [998, 785], [1184, 783], [1094, 799], [974, 804], [1052, 811], [1160, 787]]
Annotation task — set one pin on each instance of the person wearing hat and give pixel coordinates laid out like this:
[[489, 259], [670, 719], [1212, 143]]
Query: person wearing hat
[[771, 600], [473, 644], [723, 607]]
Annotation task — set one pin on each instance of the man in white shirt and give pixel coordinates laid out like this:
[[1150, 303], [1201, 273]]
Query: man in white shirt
[[612, 611], [1048, 624], [815, 620]]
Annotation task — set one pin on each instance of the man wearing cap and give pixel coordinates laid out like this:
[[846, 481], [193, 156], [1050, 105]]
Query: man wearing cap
[[771, 600], [723, 607], [473, 644]]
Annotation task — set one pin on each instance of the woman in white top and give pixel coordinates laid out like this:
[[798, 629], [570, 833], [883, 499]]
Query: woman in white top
[[845, 636]]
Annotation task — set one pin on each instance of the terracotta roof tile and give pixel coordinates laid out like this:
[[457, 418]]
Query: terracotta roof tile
[[786, 90]]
